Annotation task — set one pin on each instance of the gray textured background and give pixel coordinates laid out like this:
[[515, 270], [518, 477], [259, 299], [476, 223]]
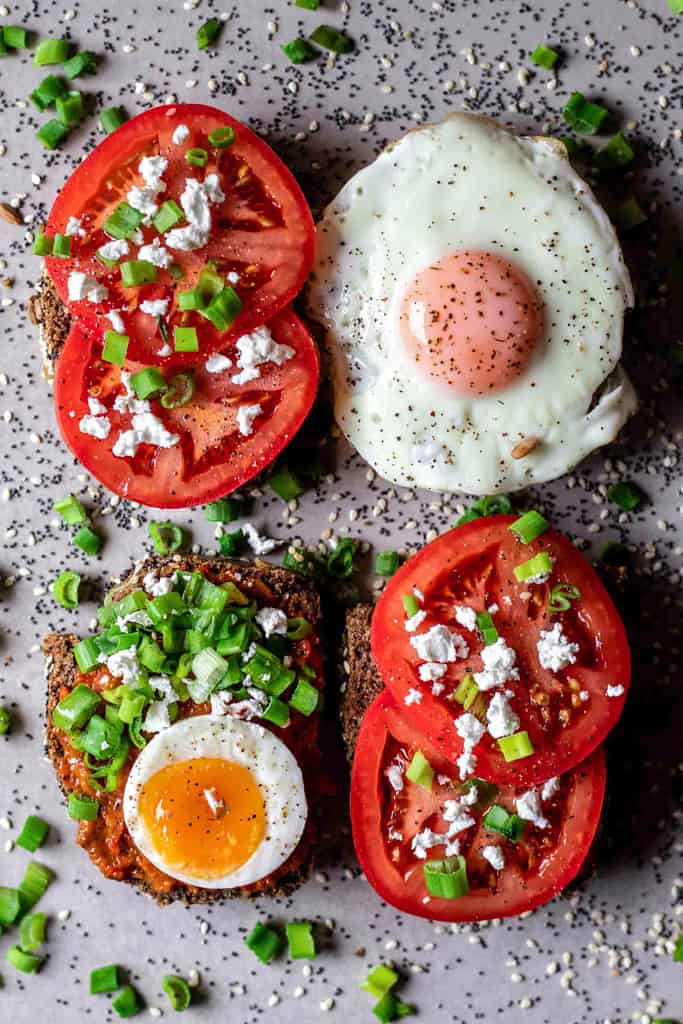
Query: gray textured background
[[599, 955]]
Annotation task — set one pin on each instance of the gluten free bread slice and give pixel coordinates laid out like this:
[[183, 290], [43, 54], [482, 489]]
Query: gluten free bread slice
[[361, 680], [292, 593]]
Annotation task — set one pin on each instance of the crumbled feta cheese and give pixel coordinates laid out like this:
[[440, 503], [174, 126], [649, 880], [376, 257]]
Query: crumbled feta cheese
[[499, 665], [550, 788], [156, 585], [272, 620], [146, 429], [412, 697], [157, 718], [144, 198], [614, 691], [431, 670], [123, 665], [425, 840], [258, 544], [95, 426], [439, 644], [195, 200], [501, 718], [73, 228], [470, 730], [217, 363], [437, 689], [469, 798], [163, 686], [156, 254], [246, 414], [467, 764], [495, 856], [180, 134], [466, 617], [394, 774], [555, 650], [114, 250], [116, 320], [80, 286], [529, 808], [457, 818], [415, 621], [255, 350], [128, 403], [154, 307], [96, 407]]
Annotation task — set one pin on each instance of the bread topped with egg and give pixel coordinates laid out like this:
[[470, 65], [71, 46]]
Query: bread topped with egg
[[195, 775]]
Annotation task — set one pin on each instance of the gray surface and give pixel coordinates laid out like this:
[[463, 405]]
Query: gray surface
[[619, 960]]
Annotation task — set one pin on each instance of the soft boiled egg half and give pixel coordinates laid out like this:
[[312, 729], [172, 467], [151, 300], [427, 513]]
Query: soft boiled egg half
[[473, 294], [215, 802]]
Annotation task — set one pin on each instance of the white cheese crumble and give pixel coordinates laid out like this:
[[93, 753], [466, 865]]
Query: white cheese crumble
[[114, 250], [529, 808], [246, 414], [95, 426], [195, 201], [470, 730], [73, 228], [258, 544], [255, 350], [146, 429], [499, 665], [123, 665], [495, 856], [180, 134], [157, 718], [116, 320], [457, 818], [156, 585], [156, 254], [272, 620], [555, 650], [217, 363], [412, 697], [614, 691], [501, 718], [466, 617], [550, 788], [415, 621], [394, 774], [431, 670], [128, 402], [80, 286], [154, 307], [425, 840], [144, 198], [96, 407], [439, 644]]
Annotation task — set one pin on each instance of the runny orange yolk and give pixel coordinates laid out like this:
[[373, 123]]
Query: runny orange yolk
[[472, 321], [205, 816]]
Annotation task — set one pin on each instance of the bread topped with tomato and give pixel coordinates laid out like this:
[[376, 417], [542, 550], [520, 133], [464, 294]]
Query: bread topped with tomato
[[185, 732]]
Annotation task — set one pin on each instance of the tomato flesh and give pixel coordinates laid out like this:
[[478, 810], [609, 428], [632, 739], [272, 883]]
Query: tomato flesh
[[566, 713], [385, 822], [261, 239], [212, 457]]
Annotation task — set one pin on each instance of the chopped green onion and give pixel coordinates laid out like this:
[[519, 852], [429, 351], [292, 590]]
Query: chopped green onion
[[178, 991], [191, 299], [331, 39], [10, 906], [208, 33], [88, 540], [386, 563], [420, 771], [309, 5], [224, 510], [489, 505], [111, 119], [52, 134], [5, 721], [104, 979], [123, 223], [629, 214], [70, 109], [51, 51], [232, 543], [540, 565], [446, 879], [676, 6], [75, 710], [179, 390], [298, 628], [82, 808], [42, 245], [126, 1003], [678, 950], [300, 940], [86, 654], [264, 942], [466, 692], [100, 738], [299, 51], [627, 495], [486, 791], [529, 526], [340, 561], [209, 668], [166, 537], [29, 963], [84, 63], [34, 885], [487, 628], [66, 588], [222, 137], [517, 746], [561, 596], [277, 712], [391, 1008], [582, 116], [545, 57], [61, 246], [15, 37], [49, 90], [285, 484], [616, 153], [380, 981], [185, 339], [410, 605], [498, 819], [197, 157], [70, 510], [115, 348], [168, 216], [33, 834], [224, 309], [32, 932], [305, 698], [137, 272], [148, 382]]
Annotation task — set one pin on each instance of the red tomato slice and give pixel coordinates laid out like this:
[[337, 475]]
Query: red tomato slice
[[212, 457], [566, 713], [263, 232], [538, 866]]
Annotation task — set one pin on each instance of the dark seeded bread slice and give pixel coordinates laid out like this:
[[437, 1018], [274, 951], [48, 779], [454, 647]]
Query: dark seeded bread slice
[[296, 596], [47, 311], [361, 680]]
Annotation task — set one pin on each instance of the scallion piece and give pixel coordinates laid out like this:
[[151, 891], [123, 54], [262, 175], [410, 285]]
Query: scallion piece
[[104, 979], [61, 245], [420, 771], [32, 932], [70, 108], [66, 589], [277, 712], [232, 543], [224, 309], [410, 605], [88, 540], [498, 819], [196, 157], [168, 216], [331, 39], [264, 942], [52, 134], [33, 834], [166, 537], [137, 272], [678, 950], [582, 116], [81, 807], [222, 137], [209, 668], [616, 153], [285, 484], [111, 119], [185, 339], [178, 991], [84, 63], [224, 510], [391, 1008], [42, 245], [15, 37], [629, 214], [387, 562], [49, 90], [179, 390], [70, 510], [626, 494], [309, 5], [467, 691], [5, 722], [489, 505], [51, 51], [10, 906], [115, 348], [340, 561], [123, 223], [86, 654], [126, 1003], [299, 51], [489, 633], [33, 885], [298, 628], [517, 746], [300, 940], [305, 698], [561, 596], [446, 879], [208, 33], [529, 526], [676, 7], [380, 981], [28, 963], [545, 57], [540, 565], [148, 382], [75, 710]]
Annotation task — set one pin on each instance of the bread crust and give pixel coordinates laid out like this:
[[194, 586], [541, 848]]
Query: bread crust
[[361, 682], [49, 314]]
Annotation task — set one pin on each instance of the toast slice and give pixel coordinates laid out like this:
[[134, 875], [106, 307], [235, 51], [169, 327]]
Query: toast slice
[[106, 839], [361, 682], [49, 314]]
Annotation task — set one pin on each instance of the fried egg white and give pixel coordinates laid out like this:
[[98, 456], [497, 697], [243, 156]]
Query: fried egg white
[[215, 802], [473, 294]]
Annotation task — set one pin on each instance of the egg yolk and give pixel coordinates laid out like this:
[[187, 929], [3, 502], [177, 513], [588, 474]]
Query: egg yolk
[[472, 321], [205, 816]]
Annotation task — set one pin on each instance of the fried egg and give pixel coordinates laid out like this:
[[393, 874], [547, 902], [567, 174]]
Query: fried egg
[[473, 294], [215, 802]]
